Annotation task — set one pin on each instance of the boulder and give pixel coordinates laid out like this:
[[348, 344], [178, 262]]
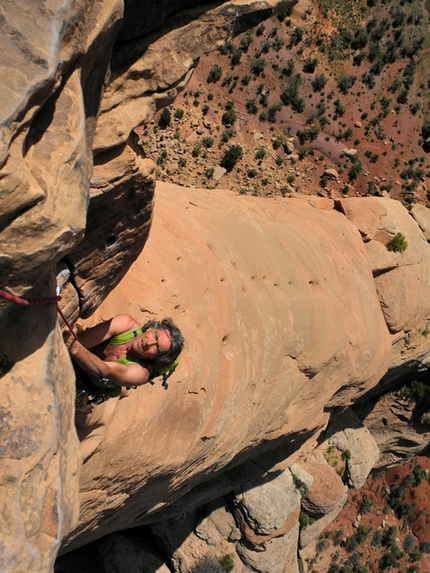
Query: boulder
[[355, 440], [379, 220], [327, 492], [268, 509], [278, 556], [331, 173], [421, 215]]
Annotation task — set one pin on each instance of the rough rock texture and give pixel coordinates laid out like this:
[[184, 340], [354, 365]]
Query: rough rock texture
[[398, 435], [272, 337], [348, 435], [326, 492], [40, 456], [57, 60], [272, 340], [379, 219], [279, 555], [268, 509]]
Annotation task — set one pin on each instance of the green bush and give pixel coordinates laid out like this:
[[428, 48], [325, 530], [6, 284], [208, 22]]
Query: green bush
[[231, 156], [165, 119], [398, 244], [215, 74], [229, 117], [208, 142], [310, 65], [319, 82], [257, 66], [227, 562], [251, 106], [179, 113], [261, 153]]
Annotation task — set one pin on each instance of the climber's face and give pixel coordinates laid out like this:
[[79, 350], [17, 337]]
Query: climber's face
[[152, 343]]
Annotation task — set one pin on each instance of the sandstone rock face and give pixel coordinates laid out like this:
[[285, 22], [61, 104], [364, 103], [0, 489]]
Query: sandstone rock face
[[56, 63], [268, 509], [349, 436], [406, 309], [54, 60], [40, 456], [272, 340]]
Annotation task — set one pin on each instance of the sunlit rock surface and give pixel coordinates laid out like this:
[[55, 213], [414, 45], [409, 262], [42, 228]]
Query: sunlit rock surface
[[262, 290]]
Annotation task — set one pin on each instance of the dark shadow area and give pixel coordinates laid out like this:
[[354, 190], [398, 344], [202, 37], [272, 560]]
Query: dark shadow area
[[183, 516]]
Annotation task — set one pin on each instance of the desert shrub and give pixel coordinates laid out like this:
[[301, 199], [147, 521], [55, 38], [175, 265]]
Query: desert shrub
[[246, 79], [414, 107], [260, 30], [402, 97], [272, 111], [205, 109], [215, 74], [398, 243], [425, 129], [360, 39], [179, 113], [229, 117], [227, 134], [245, 42], [409, 543], [161, 159], [346, 82], [182, 162], [288, 70], [366, 504], [165, 119], [252, 173], [251, 106], [261, 153], [296, 36], [257, 66], [196, 151], [208, 141], [425, 547], [278, 43], [227, 562], [319, 82], [310, 65], [355, 170], [235, 57], [231, 156], [277, 143], [305, 520]]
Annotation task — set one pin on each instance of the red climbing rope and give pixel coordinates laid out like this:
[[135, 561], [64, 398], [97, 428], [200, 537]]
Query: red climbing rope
[[24, 302]]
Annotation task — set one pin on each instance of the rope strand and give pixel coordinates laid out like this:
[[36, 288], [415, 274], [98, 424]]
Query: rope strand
[[22, 301], [32, 301]]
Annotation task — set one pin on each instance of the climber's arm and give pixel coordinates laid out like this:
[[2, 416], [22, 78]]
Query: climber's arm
[[121, 374], [105, 330]]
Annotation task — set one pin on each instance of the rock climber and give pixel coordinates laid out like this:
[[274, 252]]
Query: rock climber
[[121, 352]]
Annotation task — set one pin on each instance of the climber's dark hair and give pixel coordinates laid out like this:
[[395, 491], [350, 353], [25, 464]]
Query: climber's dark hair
[[176, 340]]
